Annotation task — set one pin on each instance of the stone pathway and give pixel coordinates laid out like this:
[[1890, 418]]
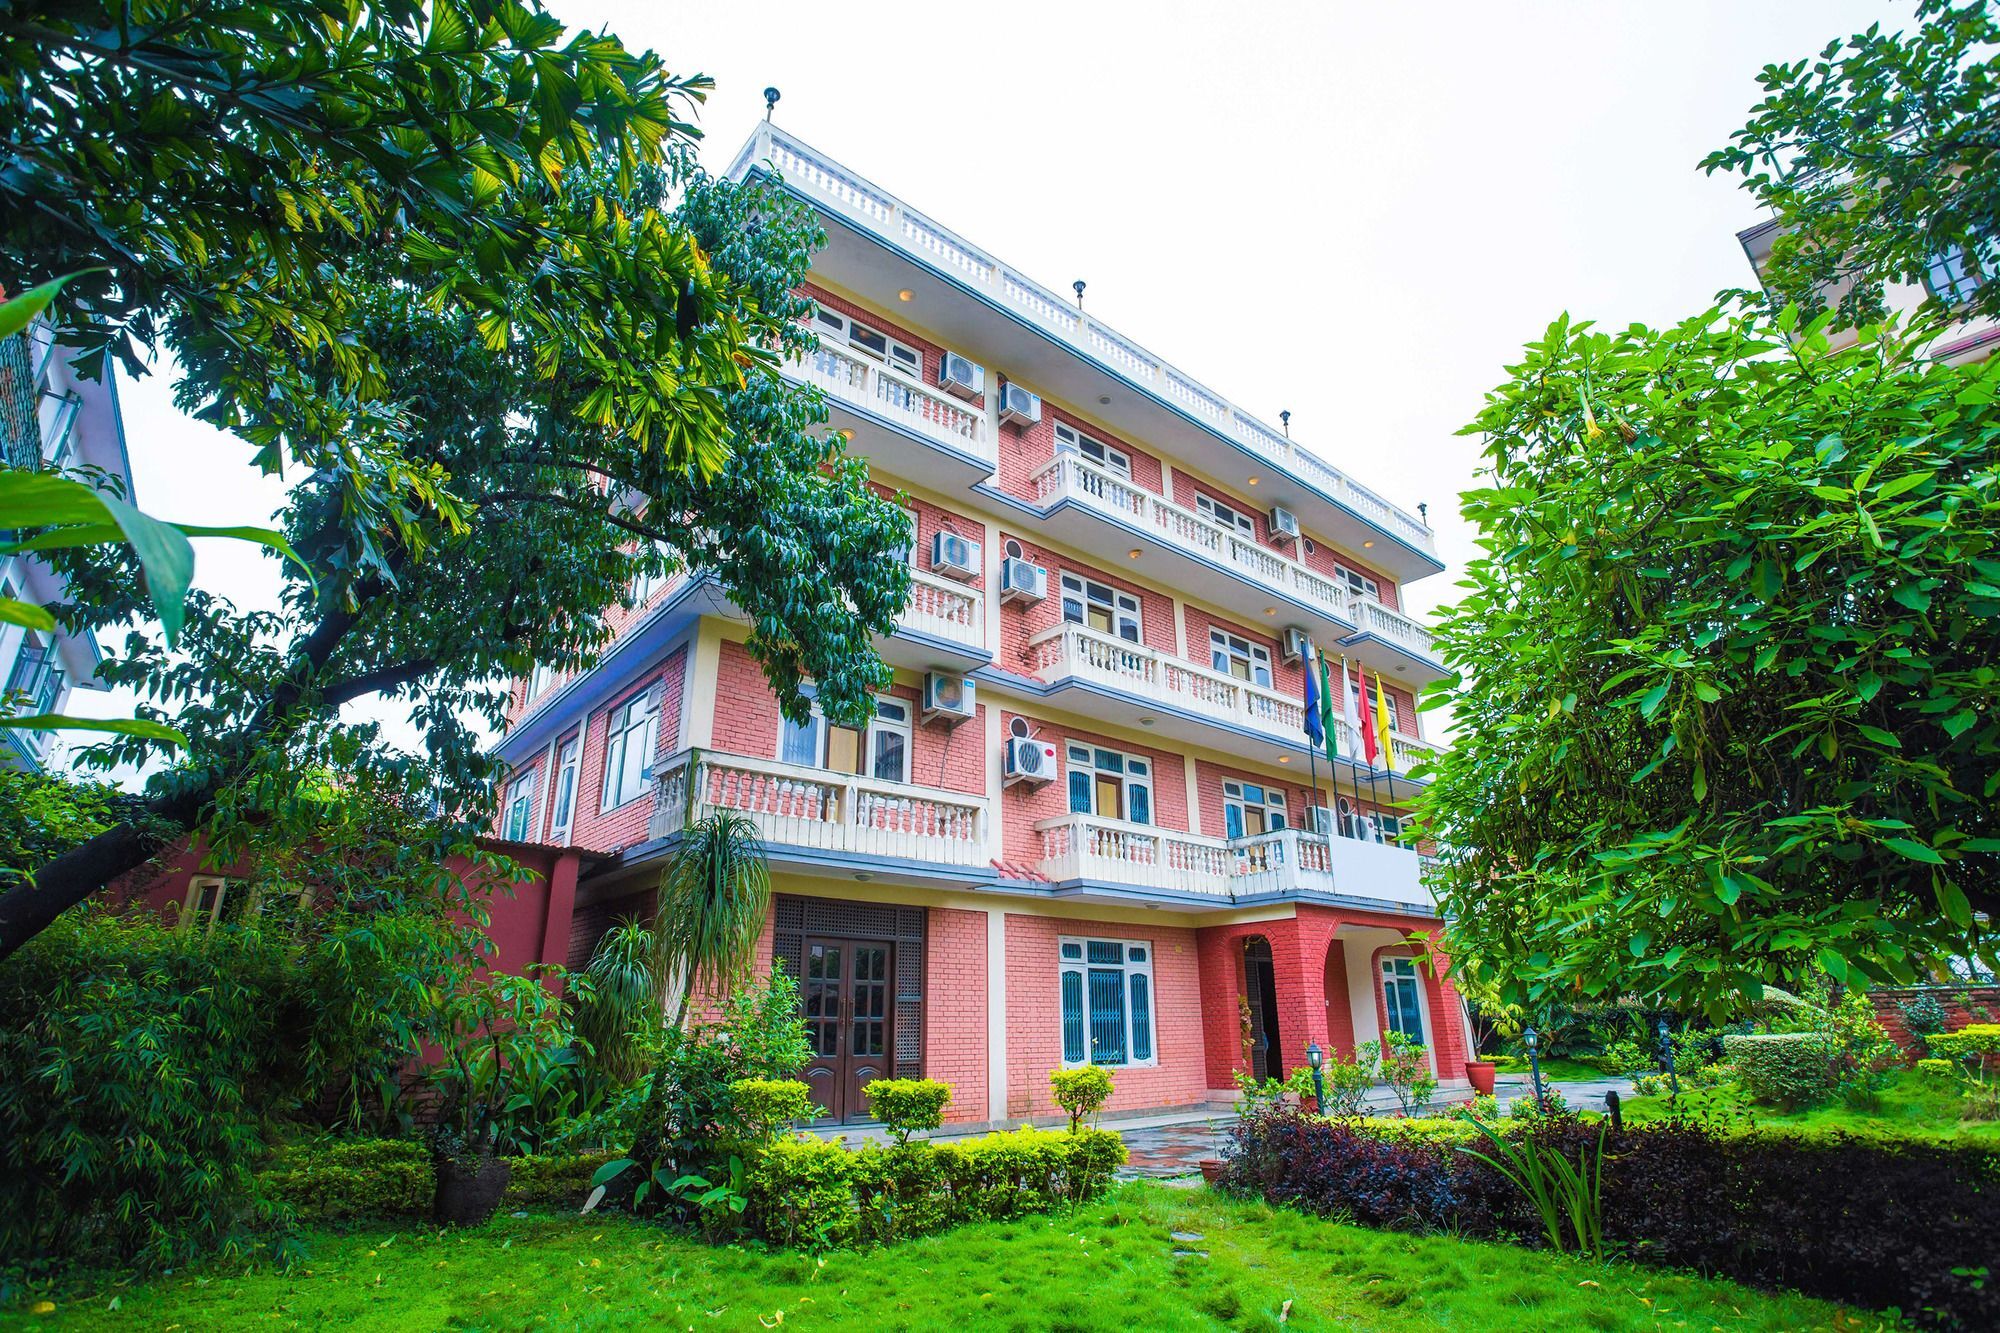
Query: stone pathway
[[1172, 1153]]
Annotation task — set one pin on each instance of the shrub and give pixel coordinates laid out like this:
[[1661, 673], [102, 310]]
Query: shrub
[[1933, 1068], [1874, 1222], [1405, 1066], [1649, 1085], [342, 1180], [1553, 1103], [814, 1193], [1080, 1092], [1970, 1044], [907, 1105], [1789, 1070], [765, 1106], [1924, 1016]]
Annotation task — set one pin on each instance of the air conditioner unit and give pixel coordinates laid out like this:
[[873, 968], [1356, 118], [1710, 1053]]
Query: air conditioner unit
[[1021, 581], [1294, 645], [948, 696], [1284, 523], [1030, 761], [961, 377], [1018, 407], [954, 557]]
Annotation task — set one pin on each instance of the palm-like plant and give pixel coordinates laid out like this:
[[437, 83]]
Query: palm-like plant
[[713, 897], [623, 1003]]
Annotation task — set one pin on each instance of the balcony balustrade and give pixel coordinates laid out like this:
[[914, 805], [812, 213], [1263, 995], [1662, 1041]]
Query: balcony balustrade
[[794, 806], [846, 195], [867, 386], [1070, 477], [946, 609], [1089, 847]]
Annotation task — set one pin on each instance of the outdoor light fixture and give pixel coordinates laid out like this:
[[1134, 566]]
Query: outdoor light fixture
[[906, 295], [1254, 480], [1270, 610], [1133, 554], [1534, 1043], [770, 102], [1284, 759], [1314, 1055], [1286, 417], [1369, 542]]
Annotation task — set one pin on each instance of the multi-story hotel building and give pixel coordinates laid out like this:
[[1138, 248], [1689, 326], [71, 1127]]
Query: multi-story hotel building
[[50, 417], [1081, 825]]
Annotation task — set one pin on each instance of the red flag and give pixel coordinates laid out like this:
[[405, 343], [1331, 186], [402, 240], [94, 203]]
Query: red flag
[[1369, 746]]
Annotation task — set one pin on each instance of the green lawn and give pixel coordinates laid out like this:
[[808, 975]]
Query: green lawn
[[1567, 1071], [1911, 1104], [1110, 1266]]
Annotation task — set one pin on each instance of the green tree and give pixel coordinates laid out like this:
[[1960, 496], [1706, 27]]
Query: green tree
[[1878, 157], [538, 497], [1729, 705]]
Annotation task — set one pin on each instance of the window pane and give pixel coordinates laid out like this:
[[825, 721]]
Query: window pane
[[1074, 1049], [1107, 1015], [890, 756], [1103, 952], [1079, 792], [1140, 798], [1107, 797], [1109, 762], [1072, 949], [799, 744], [1142, 1018], [843, 749], [1232, 819], [865, 337]]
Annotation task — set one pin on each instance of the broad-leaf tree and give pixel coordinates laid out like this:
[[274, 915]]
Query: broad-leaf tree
[[532, 430], [1730, 706], [1881, 157]]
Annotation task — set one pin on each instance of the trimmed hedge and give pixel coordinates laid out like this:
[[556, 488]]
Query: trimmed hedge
[[1783, 1069], [908, 1105], [813, 1193], [344, 1180], [1872, 1221]]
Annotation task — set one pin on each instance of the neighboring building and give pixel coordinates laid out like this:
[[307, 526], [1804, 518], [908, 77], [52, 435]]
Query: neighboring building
[[49, 417], [1951, 278], [1081, 822]]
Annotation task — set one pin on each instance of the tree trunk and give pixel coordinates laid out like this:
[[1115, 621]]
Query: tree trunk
[[31, 907]]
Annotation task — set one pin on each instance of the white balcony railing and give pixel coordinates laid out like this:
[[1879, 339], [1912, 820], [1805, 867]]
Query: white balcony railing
[[794, 806], [870, 387], [1111, 851], [944, 608], [875, 211], [1391, 624]]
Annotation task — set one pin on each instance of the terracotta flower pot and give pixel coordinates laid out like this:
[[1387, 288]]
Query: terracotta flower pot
[[469, 1189], [1212, 1169], [1480, 1074]]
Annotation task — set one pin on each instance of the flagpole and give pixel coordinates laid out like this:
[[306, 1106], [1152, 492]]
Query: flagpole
[[1312, 753], [1374, 793]]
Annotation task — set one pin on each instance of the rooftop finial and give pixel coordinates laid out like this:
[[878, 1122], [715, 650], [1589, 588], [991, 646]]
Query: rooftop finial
[[770, 102], [1424, 512], [1078, 284], [1286, 417]]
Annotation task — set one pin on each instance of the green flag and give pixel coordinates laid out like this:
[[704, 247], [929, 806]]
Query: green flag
[[1329, 716]]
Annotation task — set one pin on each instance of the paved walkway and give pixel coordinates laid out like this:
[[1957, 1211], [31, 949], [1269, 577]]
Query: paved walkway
[[1171, 1151]]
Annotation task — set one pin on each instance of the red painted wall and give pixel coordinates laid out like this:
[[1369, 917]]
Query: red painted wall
[[1034, 1016]]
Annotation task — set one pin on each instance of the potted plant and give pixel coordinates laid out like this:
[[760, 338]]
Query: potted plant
[[507, 1076]]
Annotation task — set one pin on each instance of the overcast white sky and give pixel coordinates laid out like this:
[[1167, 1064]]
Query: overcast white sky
[[1355, 211]]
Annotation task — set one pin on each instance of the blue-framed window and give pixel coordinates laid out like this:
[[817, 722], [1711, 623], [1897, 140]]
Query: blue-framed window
[[1107, 1001], [1400, 998], [1110, 784]]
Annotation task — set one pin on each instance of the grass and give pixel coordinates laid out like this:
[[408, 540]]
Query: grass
[[1113, 1266], [1910, 1104], [1553, 1069]]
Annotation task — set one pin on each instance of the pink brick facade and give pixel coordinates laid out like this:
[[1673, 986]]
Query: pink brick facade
[[1023, 805], [955, 1005]]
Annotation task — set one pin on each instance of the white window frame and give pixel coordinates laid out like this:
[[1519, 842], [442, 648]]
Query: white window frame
[[1408, 971], [1224, 647], [522, 791], [892, 718], [635, 718], [562, 810], [1081, 966], [1242, 797], [1133, 771], [539, 680], [894, 353], [1107, 456], [646, 583], [1225, 515], [1952, 275], [1357, 582], [1125, 611], [191, 908]]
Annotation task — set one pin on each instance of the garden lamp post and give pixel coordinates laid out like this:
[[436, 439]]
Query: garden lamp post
[[1314, 1057], [1667, 1060], [1535, 1064]]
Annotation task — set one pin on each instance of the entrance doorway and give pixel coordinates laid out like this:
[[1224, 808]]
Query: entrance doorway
[[849, 998], [1260, 988]]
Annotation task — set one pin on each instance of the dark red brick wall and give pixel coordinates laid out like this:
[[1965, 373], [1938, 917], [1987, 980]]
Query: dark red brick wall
[[1958, 1002]]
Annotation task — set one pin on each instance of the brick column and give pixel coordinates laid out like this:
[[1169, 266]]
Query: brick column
[[1447, 1012]]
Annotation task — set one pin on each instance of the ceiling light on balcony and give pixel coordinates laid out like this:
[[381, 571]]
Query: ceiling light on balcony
[[1254, 480], [1270, 610], [906, 295], [1134, 553], [863, 876], [1284, 759], [1147, 721], [847, 435], [1369, 544], [1104, 400]]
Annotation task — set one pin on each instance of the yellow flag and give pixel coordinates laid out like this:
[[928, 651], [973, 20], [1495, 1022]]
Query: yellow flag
[[1382, 724]]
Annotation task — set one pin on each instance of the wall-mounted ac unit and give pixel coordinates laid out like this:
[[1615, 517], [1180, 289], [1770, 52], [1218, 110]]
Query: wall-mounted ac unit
[[948, 696], [1018, 407], [961, 377], [954, 557], [1294, 645], [1030, 761], [1284, 523], [1021, 581]]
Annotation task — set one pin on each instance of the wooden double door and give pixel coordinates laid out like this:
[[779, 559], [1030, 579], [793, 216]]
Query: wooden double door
[[848, 989]]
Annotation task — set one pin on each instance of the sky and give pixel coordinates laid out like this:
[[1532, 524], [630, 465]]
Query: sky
[[1359, 212]]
